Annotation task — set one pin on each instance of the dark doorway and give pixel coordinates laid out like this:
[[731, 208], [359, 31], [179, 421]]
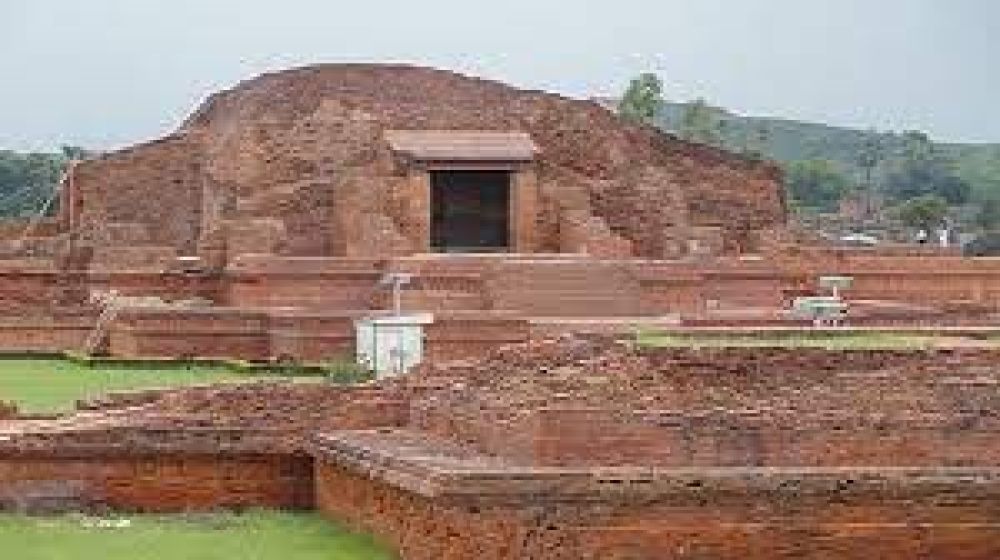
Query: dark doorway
[[469, 211]]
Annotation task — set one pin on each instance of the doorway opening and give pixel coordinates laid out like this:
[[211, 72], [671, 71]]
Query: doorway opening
[[470, 211]]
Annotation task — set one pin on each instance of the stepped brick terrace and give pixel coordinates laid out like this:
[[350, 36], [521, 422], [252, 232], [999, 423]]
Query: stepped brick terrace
[[260, 229], [539, 233], [574, 448]]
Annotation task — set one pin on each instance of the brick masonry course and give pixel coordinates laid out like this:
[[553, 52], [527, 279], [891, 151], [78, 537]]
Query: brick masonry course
[[651, 453]]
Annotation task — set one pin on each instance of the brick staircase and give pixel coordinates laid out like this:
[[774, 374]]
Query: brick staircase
[[534, 285], [440, 283], [564, 287]]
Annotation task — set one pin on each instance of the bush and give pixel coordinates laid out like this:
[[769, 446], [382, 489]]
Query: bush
[[987, 245], [347, 372]]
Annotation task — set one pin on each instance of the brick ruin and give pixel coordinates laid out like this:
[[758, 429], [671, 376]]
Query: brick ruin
[[582, 447], [261, 229]]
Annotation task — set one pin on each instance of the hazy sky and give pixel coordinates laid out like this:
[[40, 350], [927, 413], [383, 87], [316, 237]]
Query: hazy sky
[[105, 73]]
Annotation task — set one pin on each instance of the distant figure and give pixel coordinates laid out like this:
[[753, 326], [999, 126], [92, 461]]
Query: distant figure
[[944, 233], [944, 236], [922, 236]]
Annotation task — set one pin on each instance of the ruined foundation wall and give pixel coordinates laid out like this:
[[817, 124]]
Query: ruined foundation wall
[[762, 517], [157, 483], [556, 405]]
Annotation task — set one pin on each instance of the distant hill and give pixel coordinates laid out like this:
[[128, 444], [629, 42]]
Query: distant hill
[[787, 141]]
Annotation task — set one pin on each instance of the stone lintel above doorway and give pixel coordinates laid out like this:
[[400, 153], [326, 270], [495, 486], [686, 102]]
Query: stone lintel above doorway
[[456, 148], [423, 152]]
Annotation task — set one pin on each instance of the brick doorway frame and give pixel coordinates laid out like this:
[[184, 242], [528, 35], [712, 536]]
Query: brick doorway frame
[[421, 153]]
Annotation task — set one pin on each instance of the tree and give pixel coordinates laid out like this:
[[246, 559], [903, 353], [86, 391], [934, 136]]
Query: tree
[[756, 141], [924, 170], [642, 99], [816, 183], [27, 181], [917, 145], [869, 157], [701, 123], [923, 212], [70, 153], [988, 216]]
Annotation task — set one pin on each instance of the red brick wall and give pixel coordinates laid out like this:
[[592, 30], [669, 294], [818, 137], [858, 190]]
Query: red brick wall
[[262, 334], [46, 334], [718, 407], [212, 333], [157, 185], [468, 335], [166, 483], [786, 516], [604, 437]]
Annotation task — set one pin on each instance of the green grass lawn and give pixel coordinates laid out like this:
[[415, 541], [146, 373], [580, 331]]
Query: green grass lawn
[[845, 341], [254, 536], [55, 385]]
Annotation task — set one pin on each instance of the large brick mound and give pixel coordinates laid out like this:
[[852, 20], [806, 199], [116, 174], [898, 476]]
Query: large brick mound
[[263, 227], [297, 163]]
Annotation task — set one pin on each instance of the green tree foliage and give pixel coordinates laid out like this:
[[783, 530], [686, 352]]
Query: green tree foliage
[[27, 181], [982, 171], [816, 183], [925, 170], [988, 217], [869, 157], [923, 212], [702, 123], [858, 153], [759, 139], [642, 99], [71, 153], [987, 245]]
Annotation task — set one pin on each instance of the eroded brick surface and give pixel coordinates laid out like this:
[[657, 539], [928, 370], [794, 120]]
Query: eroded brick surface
[[296, 163], [580, 447]]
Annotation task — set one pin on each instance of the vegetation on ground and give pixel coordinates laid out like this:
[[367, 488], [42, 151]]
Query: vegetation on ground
[[923, 212], [826, 163], [251, 536], [28, 181], [54, 385], [847, 340], [642, 99]]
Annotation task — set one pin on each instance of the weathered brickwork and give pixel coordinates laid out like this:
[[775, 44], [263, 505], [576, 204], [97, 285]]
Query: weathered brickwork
[[577, 448], [261, 230], [156, 483], [312, 174], [432, 501]]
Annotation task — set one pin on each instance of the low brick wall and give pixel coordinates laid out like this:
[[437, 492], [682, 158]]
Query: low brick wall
[[261, 334], [576, 404], [454, 507], [327, 284], [46, 333], [751, 438], [202, 333], [157, 483], [472, 334], [312, 337]]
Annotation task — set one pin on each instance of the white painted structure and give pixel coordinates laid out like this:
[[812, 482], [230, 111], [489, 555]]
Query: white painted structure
[[391, 345]]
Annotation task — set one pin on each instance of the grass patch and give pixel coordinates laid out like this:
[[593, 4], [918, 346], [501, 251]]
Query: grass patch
[[833, 341], [53, 385], [252, 536]]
